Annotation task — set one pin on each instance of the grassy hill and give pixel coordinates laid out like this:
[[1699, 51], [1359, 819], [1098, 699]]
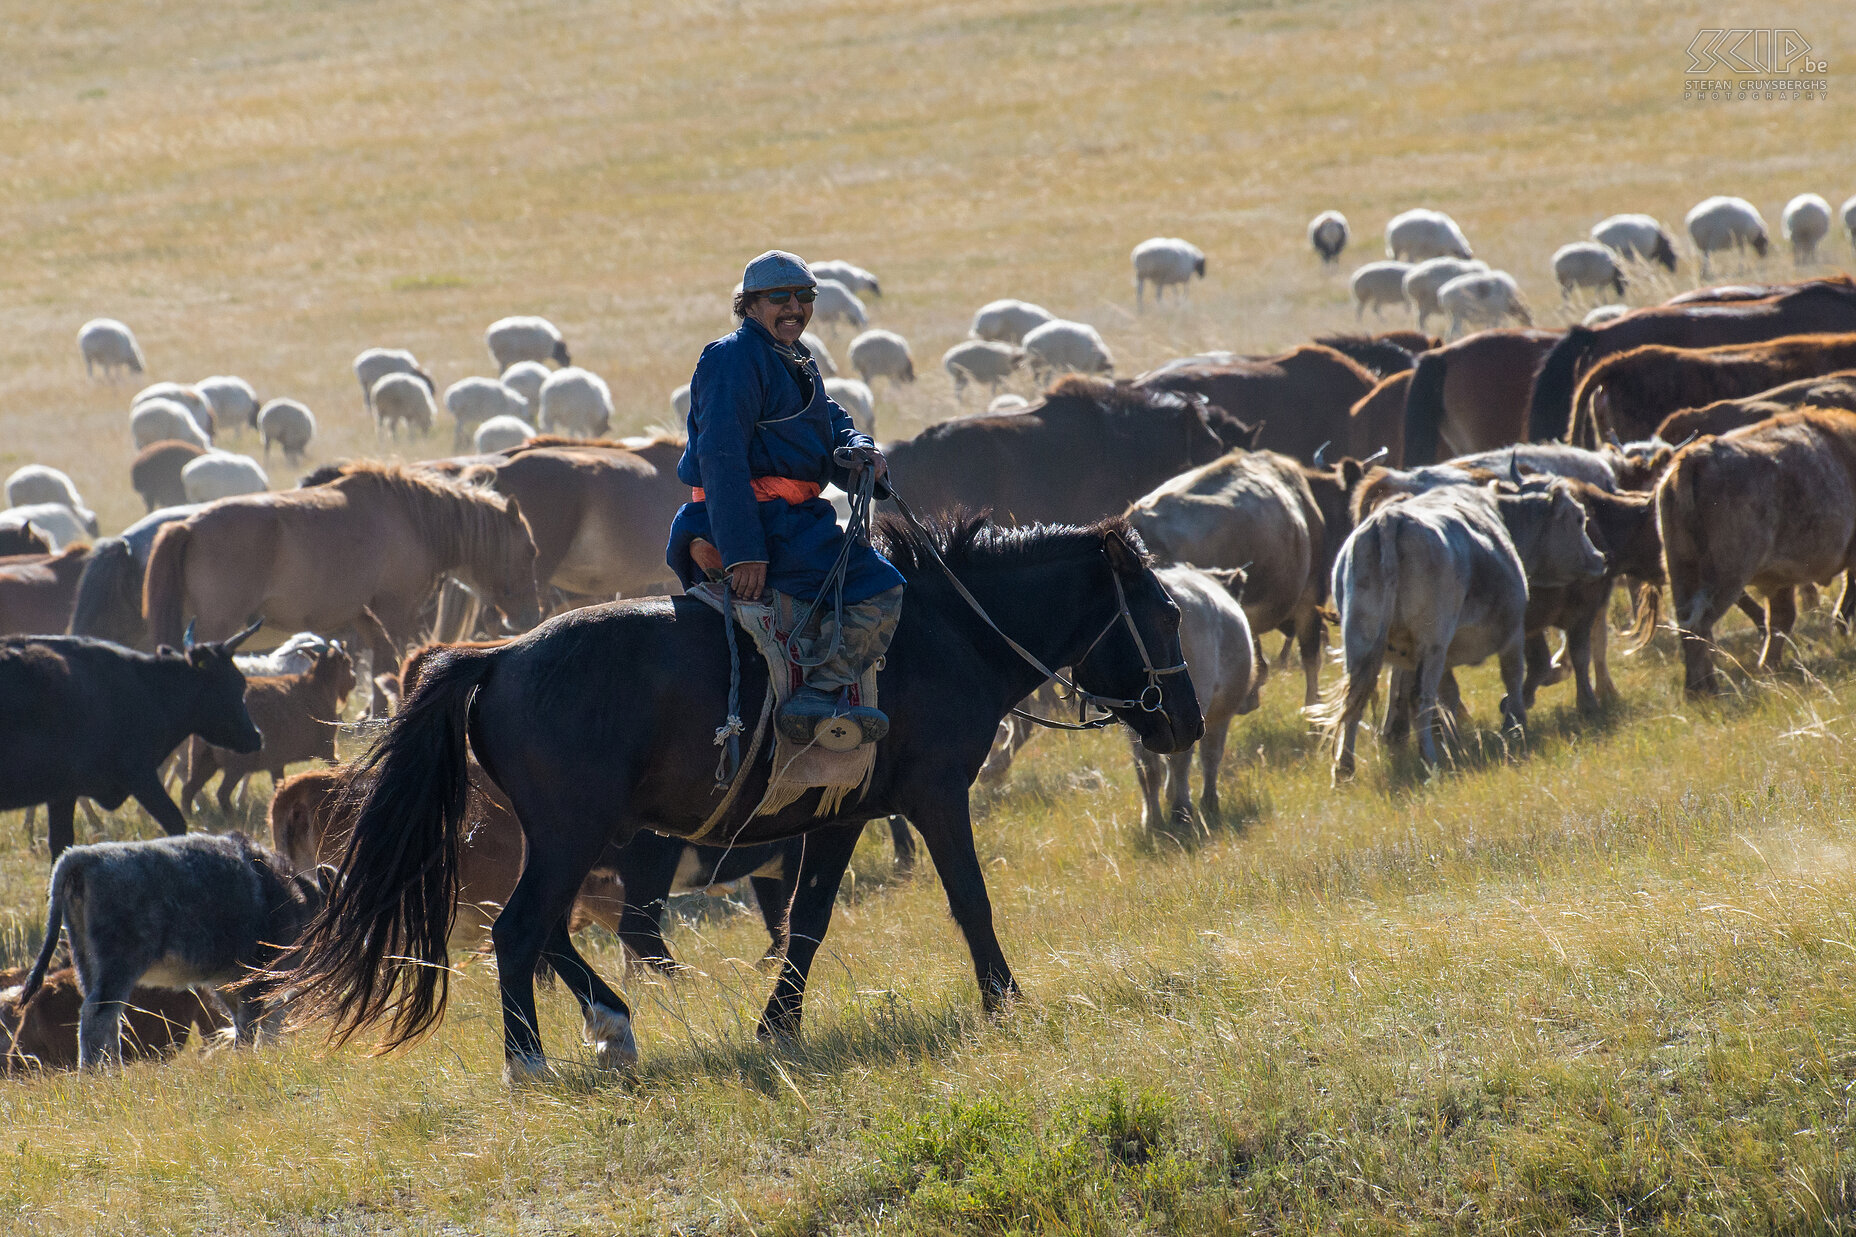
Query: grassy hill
[[1604, 987]]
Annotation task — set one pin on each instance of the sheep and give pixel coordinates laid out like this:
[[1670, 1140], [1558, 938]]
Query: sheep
[[289, 424], [1639, 238], [855, 398], [1804, 222], [40, 483], [295, 655], [680, 401], [577, 402], [1164, 260], [1603, 314], [475, 400], [155, 474], [55, 522], [882, 354], [1378, 284], [1587, 264], [1421, 282], [220, 474], [189, 397], [525, 338], [233, 400], [1485, 297], [1419, 234], [1726, 223], [1059, 344], [981, 360], [1328, 233], [1848, 211], [856, 278], [501, 433], [160, 419], [402, 399], [376, 363], [108, 343], [1009, 321], [827, 364], [837, 304], [1007, 403]]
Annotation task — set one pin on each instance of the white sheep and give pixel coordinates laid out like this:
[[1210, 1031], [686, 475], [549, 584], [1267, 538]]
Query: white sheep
[[1328, 233], [189, 397], [838, 304], [1419, 234], [289, 424], [220, 474], [882, 354], [402, 399], [1587, 264], [575, 402], [35, 484], [1060, 345], [525, 338], [1164, 261], [1721, 223], [1009, 321], [1603, 314], [827, 364], [1378, 284], [855, 398], [1007, 403], [157, 420], [856, 278], [1804, 222], [1486, 297], [680, 401], [501, 433], [525, 379], [376, 363], [475, 400], [1421, 282], [1640, 238], [1848, 211], [981, 360], [233, 400], [57, 522], [108, 343]]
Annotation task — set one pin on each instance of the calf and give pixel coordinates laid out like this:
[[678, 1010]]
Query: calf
[[85, 717], [297, 714], [37, 590], [43, 1034], [179, 913], [1623, 527]]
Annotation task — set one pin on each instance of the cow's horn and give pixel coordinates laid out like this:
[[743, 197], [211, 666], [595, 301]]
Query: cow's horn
[[1321, 454], [1514, 464], [186, 641], [1376, 456], [1611, 436], [231, 645]]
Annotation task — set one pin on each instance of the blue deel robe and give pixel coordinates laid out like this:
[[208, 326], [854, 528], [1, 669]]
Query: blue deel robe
[[748, 419]]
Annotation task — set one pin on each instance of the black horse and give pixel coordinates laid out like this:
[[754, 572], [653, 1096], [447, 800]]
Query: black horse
[[601, 722]]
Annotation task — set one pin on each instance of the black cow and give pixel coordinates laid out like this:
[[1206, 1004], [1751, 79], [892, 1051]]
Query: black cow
[[86, 717]]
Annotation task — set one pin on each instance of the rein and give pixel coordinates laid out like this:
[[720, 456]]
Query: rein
[[1122, 615]]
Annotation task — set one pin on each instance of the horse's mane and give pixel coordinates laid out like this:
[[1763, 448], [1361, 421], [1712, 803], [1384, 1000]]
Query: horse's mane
[[967, 541], [457, 519], [640, 442], [1118, 397]]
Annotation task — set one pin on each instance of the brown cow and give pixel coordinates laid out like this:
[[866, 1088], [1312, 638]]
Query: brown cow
[[1628, 395], [156, 472], [297, 714], [1836, 390], [1298, 400], [1769, 507], [1720, 294], [1378, 420], [23, 539], [37, 591], [1471, 395], [155, 1022]]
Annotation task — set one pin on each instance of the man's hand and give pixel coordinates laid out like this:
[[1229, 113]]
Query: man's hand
[[748, 580], [856, 459]]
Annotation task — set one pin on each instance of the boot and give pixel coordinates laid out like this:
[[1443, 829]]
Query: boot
[[825, 718]]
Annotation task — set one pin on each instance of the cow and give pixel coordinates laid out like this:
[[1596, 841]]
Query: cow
[[298, 715], [202, 911], [1833, 390], [1439, 579], [156, 1022], [23, 539], [86, 717], [1768, 507], [1215, 638], [1296, 401], [37, 590]]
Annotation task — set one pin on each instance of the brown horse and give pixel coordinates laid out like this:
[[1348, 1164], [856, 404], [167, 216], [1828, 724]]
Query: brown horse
[[1823, 306], [1721, 294], [1299, 400], [37, 591], [1378, 420], [1472, 394], [375, 539], [1629, 394]]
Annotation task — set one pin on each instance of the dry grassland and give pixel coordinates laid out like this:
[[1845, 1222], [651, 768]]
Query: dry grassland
[[1603, 988]]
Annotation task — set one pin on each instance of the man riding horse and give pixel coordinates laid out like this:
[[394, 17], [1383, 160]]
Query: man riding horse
[[764, 439]]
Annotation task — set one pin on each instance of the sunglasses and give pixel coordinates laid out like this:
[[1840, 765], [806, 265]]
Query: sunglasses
[[805, 296]]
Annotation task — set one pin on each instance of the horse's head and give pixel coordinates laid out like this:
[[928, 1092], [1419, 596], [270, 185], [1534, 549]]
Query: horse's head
[[1138, 658], [507, 580]]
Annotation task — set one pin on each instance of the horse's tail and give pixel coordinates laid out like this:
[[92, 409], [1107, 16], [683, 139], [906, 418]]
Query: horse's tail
[[109, 593], [164, 585], [1424, 410], [1549, 410], [64, 872], [376, 952]]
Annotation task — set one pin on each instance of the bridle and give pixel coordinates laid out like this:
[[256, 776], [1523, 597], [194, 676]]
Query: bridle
[[1152, 696]]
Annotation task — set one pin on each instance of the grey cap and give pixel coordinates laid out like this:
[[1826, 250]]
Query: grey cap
[[777, 269]]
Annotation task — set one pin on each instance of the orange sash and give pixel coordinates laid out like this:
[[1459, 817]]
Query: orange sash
[[786, 489]]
